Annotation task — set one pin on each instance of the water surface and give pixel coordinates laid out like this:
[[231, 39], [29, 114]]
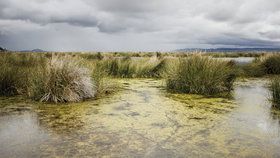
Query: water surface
[[239, 60], [144, 121]]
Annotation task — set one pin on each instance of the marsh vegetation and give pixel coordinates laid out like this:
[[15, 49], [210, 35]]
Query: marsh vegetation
[[138, 104], [275, 91], [51, 77], [72, 77], [201, 75]]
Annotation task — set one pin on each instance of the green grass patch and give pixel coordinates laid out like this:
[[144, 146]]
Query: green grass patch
[[200, 75], [275, 91]]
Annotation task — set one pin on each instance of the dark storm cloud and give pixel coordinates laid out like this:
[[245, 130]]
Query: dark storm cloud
[[128, 6], [45, 12], [145, 24], [242, 42]]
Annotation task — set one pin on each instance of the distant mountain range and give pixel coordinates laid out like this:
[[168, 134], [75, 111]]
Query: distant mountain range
[[230, 50], [204, 50], [34, 50], [3, 49], [189, 50]]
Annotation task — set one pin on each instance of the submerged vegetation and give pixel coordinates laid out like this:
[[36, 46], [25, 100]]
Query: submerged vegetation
[[201, 75]]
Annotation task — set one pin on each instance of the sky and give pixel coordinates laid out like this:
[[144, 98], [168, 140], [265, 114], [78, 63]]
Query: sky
[[138, 25]]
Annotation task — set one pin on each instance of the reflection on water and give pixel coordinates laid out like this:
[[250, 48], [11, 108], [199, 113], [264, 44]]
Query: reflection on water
[[20, 135], [252, 129], [144, 121]]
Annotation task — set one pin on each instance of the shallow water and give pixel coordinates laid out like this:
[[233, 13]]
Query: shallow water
[[239, 60], [144, 121]]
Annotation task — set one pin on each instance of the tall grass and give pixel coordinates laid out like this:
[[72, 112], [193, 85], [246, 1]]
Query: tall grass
[[63, 80], [266, 64], [271, 64], [92, 56], [16, 72], [9, 80], [45, 77], [200, 75], [135, 68], [275, 91], [254, 69], [99, 73]]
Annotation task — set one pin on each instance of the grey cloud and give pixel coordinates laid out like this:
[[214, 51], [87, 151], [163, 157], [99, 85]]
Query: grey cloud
[[126, 6], [45, 12], [146, 24], [271, 34], [86, 22], [111, 27], [134, 7], [242, 42], [238, 40], [108, 16], [238, 12]]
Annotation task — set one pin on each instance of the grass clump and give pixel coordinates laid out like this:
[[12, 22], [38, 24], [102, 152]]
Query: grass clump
[[9, 80], [275, 91], [271, 64], [159, 69], [63, 80], [92, 56], [200, 75], [135, 68], [254, 69], [16, 72], [53, 77], [268, 64], [103, 83], [123, 68]]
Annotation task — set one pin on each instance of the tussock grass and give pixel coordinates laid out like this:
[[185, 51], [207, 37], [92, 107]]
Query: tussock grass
[[271, 64], [67, 77], [16, 72], [254, 69], [275, 91], [64, 80], [103, 83], [92, 56], [200, 75], [9, 80], [268, 64], [46, 77], [135, 68]]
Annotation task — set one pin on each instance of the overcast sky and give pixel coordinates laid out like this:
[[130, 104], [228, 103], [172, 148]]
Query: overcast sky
[[138, 25]]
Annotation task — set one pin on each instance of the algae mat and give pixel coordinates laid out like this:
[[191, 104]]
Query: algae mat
[[144, 121]]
